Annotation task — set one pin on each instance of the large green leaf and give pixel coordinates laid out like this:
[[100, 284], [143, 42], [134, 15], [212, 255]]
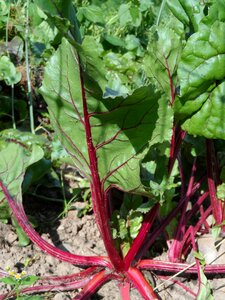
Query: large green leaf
[[14, 160], [202, 61], [164, 50], [122, 128], [189, 12], [209, 120]]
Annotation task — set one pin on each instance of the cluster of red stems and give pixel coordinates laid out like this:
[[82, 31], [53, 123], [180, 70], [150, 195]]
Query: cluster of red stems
[[127, 271]]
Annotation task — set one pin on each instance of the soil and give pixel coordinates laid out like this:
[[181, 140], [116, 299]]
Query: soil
[[80, 236]]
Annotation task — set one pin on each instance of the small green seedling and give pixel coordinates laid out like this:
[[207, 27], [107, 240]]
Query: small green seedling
[[18, 280]]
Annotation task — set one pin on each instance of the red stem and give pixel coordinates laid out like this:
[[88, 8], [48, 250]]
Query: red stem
[[175, 142], [5, 296], [177, 138], [125, 290], [45, 246], [212, 172], [63, 286], [67, 286], [171, 267], [93, 285], [72, 277], [196, 206], [182, 179], [172, 90], [192, 236], [98, 197], [141, 284], [175, 250], [146, 245], [223, 218], [137, 243], [203, 220], [195, 229]]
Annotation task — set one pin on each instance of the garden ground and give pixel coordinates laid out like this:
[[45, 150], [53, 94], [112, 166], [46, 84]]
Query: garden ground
[[80, 236]]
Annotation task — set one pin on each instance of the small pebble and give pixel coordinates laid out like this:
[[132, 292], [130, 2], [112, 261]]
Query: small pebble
[[60, 296], [11, 238]]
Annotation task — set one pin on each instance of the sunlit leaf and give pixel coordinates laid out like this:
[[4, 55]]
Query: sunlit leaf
[[202, 61], [116, 125]]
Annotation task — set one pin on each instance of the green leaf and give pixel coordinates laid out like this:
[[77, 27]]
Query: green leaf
[[4, 8], [221, 191], [122, 228], [124, 14], [94, 66], [178, 11], [125, 248], [14, 160], [216, 230], [58, 153], [208, 120], [132, 42], [185, 108], [122, 129], [9, 280], [36, 15], [5, 212], [164, 124], [145, 207], [60, 13], [202, 61], [164, 51], [189, 12], [200, 257], [8, 72], [135, 222], [93, 13], [25, 138], [29, 280], [215, 12], [35, 172], [205, 292], [130, 202], [145, 5], [114, 40], [136, 16], [42, 36], [23, 240], [129, 14]]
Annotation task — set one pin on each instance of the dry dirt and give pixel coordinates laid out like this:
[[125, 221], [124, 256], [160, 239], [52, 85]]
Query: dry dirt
[[80, 236]]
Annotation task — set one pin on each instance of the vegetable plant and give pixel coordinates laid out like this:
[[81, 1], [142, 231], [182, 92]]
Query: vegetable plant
[[160, 146], [17, 280]]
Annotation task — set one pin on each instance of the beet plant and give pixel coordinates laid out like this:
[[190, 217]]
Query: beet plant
[[161, 147]]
